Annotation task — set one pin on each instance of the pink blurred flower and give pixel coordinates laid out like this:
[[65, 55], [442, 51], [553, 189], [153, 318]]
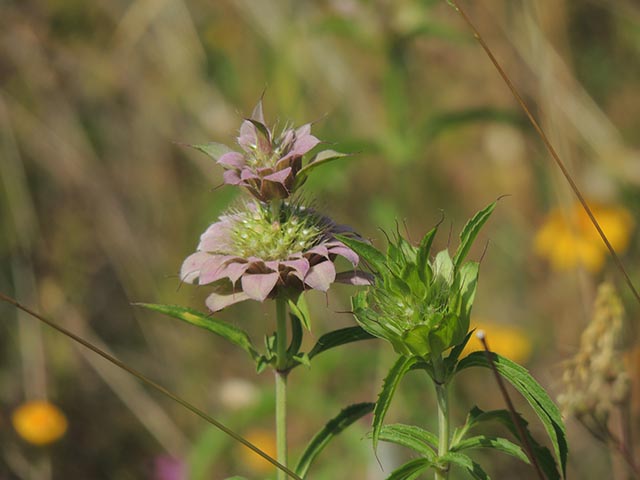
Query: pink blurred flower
[[249, 254]]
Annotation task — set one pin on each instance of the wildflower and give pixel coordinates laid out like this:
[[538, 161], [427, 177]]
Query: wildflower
[[508, 341], [39, 422], [270, 166], [166, 467], [595, 379], [569, 239], [421, 306], [254, 253], [265, 441]]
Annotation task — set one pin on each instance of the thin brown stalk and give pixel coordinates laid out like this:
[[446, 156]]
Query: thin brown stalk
[[512, 411], [150, 383], [549, 147]]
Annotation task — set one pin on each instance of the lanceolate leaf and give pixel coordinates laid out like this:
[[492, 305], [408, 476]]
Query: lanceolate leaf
[[421, 441], [389, 386], [339, 337], [539, 400], [214, 150], [333, 427], [233, 334], [410, 470], [321, 158], [470, 232], [376, 259], [496, 443], [464, 462], [299, 309]]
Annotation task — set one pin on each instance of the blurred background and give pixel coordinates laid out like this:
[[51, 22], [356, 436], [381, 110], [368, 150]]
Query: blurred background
[[100, 202]]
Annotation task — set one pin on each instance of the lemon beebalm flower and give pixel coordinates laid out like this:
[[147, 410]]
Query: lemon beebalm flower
[[507, 340], [39, 422], [569, 239]]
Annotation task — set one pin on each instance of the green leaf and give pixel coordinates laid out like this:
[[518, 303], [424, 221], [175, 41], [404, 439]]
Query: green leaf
[[233, 334], [531, 390], [212, 149], [452, 358], [411, 469], [422, 260], [470, 232], [389, 386], [496, 443], [339, 337], [466, 464], [333, 427], [319, 159], [296, 337], [300, 309], [376, 259], [477, 417], [417, 439]]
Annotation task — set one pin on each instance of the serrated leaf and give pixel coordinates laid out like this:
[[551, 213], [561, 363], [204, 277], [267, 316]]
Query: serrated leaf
[[470, 232], [376, 259], [233, 334], [212, 149], [468, 465], [333, 427], [417, 439], [339, 337], [300, 309], [389, 386], [496, 443], [410, 469], [536, 396]]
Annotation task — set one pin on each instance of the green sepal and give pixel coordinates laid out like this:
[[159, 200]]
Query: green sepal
[[333, 427], [536, 396], [296, 336], [376, 259], [422, 257], [417, 439], [389, 387], [299, 308], [470, 232], [212, 149], [233, 334]]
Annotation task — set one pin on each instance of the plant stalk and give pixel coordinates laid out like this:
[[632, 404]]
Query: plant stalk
[[281, 384], [442, 397]]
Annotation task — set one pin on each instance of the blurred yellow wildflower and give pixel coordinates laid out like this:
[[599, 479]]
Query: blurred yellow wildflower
[[39, 422], [265, 441], [507, 340], [568, 238]]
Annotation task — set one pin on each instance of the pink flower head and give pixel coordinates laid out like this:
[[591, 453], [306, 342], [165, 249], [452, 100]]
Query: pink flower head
[[254, 253], [269, 166]]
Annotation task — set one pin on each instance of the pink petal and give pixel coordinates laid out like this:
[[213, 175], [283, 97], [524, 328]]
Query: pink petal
[[280, 176], [232, 159], [303, 144], [321, 276], [248, 138], [217, 302], [346, 253], [216, 237], [212, 270], [258, 286], [355, 278], [247, 174], [231, 177], [319, 250], [190, 269], [257, 113], [299, 266], [234, 270]]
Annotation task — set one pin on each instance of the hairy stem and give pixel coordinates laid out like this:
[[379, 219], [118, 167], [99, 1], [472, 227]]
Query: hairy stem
[[281, 384]]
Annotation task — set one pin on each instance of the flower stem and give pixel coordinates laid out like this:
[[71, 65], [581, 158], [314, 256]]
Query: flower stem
[[442, 398], [281, 384]]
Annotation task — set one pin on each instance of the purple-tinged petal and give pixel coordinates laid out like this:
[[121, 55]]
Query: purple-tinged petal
[[299, 266], [216, 237], [247, 174], [273, 265], [248, 138], [303, 144], [217, 302], [321, 276], [279, 176], [231, 177], [234, 270], [232, 159], [320, 250], [212, 270], [355, 278], [303, 130], [258, 286], [192, 265], [257, 113], [346, 253]]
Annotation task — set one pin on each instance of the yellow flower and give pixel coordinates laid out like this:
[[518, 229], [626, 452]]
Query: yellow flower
[[39, 422], [569, 239], [508, 341], [265, 441]]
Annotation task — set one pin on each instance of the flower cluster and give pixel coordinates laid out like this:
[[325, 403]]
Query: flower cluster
[[256, 253]]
